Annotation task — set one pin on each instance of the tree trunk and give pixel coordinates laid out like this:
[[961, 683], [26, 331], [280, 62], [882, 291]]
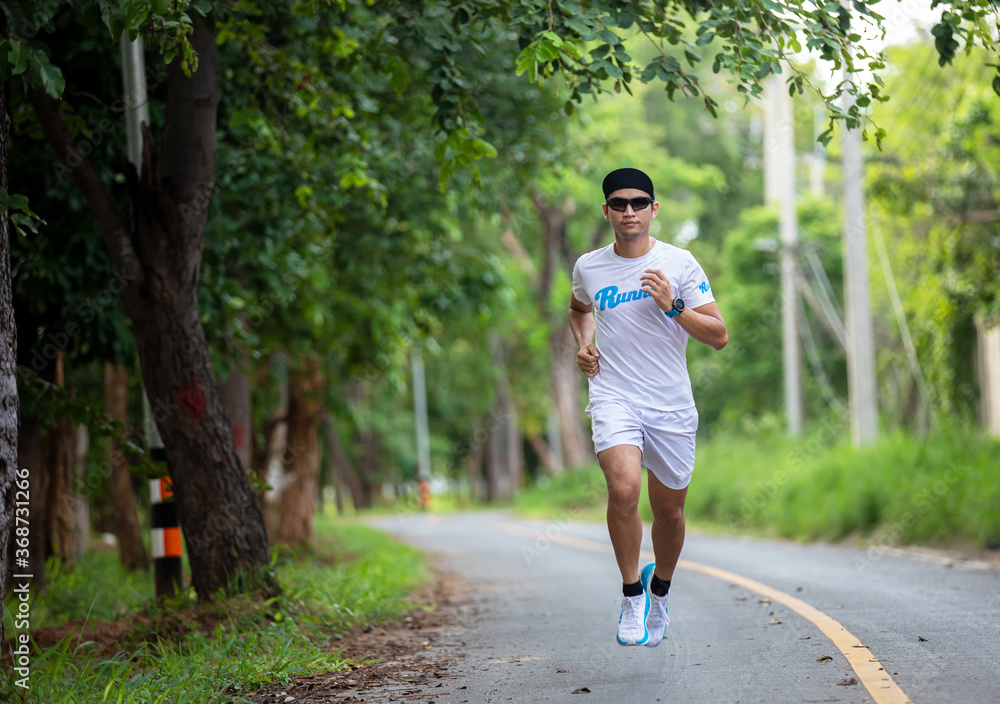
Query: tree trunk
[[367, 468], [343, 467], [474, 466], [8, 374], [157, 268], [60, 508], [269, 458], [510, 433], [333, 459], [237, 401], [493, 466], [566, 383], [541, 449], [120, 488], [81, 509], [301, 468], [30, 456]]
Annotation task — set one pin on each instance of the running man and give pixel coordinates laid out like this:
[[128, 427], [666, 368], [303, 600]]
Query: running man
[[646, 298]]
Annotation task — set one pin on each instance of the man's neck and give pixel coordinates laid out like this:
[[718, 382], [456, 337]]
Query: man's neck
[[633, 249]]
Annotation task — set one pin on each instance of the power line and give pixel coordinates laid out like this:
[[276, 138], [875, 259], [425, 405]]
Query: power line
[[904, 328]]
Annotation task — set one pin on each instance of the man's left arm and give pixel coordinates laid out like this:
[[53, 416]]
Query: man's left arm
[[704, 323]]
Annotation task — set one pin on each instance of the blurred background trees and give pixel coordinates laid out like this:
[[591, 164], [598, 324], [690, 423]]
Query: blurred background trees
[[386, 187]]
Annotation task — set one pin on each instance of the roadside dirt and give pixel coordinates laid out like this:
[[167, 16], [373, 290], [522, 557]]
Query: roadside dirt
[[404, 661]]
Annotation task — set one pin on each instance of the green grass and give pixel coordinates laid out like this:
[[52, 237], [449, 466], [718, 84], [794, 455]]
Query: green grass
[[942, 489], [70, 593], [356, 576]]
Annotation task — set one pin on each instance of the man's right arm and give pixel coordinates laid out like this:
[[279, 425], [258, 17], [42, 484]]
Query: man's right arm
[[581, 323]]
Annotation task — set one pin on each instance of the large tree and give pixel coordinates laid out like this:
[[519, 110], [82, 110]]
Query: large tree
[[8, 362]]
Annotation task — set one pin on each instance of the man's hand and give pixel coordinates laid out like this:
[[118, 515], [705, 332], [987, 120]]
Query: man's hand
[[587, 358], [658, 286]]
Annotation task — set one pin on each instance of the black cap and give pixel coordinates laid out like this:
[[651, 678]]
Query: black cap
[[627, 178]]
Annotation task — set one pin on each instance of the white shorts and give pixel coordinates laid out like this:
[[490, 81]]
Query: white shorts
[[665, 438]]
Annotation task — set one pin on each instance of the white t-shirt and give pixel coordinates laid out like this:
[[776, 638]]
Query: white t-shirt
[[642, 350]]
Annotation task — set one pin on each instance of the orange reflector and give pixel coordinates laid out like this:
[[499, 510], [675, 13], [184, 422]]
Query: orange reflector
[[171, 542], [166, 488]]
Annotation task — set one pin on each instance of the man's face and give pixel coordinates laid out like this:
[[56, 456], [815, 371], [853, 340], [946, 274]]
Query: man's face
[[630, 224]]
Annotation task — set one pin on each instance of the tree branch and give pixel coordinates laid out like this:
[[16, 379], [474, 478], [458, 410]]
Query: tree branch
[[108, 216]]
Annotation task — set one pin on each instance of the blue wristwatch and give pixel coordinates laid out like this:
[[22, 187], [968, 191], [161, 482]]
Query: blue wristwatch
[[677, 309]]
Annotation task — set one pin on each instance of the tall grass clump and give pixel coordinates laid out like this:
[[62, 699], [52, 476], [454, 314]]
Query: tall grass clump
[[943, 488]]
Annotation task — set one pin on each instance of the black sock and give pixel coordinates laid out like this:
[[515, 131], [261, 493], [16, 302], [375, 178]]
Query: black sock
[[632, 589], [658, 586]]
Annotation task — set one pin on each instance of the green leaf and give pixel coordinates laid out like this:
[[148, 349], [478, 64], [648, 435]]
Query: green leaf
[[609, 37], [879, 136], [526, 61], [483, 149], [23, 222], [553, 38], [17, 201], [51, 77], [996, 85], [113, 17], [18, 56], [705, 38]]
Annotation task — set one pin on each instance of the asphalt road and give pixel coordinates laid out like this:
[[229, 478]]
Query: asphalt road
[[547, 595]]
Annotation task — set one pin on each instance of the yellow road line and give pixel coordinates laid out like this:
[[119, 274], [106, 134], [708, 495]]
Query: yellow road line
[[866, 666]]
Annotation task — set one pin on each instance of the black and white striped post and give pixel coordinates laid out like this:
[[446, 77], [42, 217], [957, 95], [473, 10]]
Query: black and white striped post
[[166, 536]]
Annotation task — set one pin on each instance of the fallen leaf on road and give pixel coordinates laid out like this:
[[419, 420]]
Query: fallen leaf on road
[[740, 598], [560, 670], [847, 683], [582, 690], [774, 622], [919, 638], [825, 658], [765, 600]]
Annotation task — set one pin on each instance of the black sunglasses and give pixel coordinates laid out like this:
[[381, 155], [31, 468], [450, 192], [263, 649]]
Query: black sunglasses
[[620, 204]]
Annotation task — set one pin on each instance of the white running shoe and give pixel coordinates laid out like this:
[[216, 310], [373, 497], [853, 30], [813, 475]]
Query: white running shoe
[[632, 622], [656, 611]]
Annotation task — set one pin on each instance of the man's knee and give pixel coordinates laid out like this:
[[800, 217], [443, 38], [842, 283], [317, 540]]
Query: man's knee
[[623, 495], [668, 515]]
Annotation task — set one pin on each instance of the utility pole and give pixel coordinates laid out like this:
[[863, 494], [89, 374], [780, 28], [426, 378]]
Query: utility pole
[[857, 295], [423, 442], [779, 187], [164, 525]]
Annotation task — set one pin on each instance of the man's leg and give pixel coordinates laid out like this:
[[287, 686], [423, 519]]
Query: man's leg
[[668, 525], [623, 472]]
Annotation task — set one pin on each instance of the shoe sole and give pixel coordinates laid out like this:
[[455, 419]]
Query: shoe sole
[[645, 578]]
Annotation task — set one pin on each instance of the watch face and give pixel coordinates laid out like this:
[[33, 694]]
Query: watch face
[[678, 304]]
